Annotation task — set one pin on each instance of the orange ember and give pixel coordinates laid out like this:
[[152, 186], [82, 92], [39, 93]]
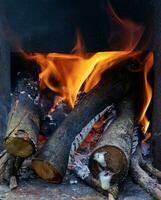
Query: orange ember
[[97, 129]]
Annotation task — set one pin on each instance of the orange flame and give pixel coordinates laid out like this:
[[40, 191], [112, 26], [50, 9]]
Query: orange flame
[[143, 120], [65, 74]]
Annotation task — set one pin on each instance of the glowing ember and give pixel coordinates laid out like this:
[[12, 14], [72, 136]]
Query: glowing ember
[[91, 140]]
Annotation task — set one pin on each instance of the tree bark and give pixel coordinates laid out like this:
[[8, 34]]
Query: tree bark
[[51, 161], [23, 125], [9, 166], [115, 145], [142, 173]]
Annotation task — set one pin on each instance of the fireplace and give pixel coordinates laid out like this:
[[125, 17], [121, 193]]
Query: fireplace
[[86, 110]]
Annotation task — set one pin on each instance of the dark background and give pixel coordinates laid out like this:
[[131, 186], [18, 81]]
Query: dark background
[[50, 25]]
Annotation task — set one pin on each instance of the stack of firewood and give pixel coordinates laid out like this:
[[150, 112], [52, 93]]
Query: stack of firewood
[[111, 157]]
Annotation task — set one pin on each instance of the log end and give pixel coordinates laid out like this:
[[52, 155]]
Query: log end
[[115, 160], [46, 171], [19, 147]]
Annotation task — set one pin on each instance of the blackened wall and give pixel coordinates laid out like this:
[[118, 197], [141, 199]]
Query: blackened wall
[[50, 25]]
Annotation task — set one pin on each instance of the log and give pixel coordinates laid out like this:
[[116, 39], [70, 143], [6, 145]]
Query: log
[[84, 174], [93, 182], [51, 161], [9, 167], [4, 86], [112, 153], [53, 118], [23, 124], [140, 170]]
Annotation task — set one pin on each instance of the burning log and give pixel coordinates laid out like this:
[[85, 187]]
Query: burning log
[[51, 161], [110, 160], [23, 124]]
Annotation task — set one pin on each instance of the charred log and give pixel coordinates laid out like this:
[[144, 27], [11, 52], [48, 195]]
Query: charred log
[[51, 161], [113, 152], [23, 124]]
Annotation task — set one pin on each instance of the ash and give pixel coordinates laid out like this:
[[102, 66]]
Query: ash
[[26, 171], [87, 140]]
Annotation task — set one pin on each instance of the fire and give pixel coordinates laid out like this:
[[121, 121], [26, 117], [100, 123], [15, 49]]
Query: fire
[[68, 74], [65, 74], [143, 120]]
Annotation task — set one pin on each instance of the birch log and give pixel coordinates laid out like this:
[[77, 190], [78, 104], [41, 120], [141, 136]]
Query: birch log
[[112, 154], [23, 125]]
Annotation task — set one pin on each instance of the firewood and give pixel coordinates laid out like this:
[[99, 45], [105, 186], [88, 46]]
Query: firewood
[[141, 168], [112, 153], [94, 183], [13, 182], [23, 124], [4, 87], [9, 167], [51, 161], [84, 174], [139, 171]]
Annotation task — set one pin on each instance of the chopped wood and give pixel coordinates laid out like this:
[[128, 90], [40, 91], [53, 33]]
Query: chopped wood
[[9, 167], [23, 124], [112, 153], [139, 172], [13, 183], [51, 161], [95, 183], [149, 168]]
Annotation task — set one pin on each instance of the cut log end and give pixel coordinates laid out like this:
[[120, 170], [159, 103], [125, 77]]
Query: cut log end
[[19, 147], [24, 118], [115, 160], [46, 171], [112, 153]]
